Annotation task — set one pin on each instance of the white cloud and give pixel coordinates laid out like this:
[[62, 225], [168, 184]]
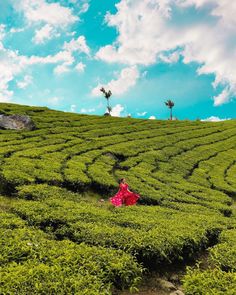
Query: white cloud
[[45, 33], [85, 111], [142, 114], [80, 67], [117, 110], [77, 45], [9, 68], [73, 108], [214, 119], [52, 17], [223, 97], [12, 64], [16, 30], [2, 34], [71, 33], [126, 79], [60, 69], [148, 32], [25, 82], [54, 100], [61, 56], [69, 48], [152, 118], [40, 11], [84, 8]]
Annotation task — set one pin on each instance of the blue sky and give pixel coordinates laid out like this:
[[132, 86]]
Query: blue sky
[[58, 53]]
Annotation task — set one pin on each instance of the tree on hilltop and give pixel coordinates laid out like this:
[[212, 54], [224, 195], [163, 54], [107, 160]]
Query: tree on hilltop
[[107, 95], [170, 104]]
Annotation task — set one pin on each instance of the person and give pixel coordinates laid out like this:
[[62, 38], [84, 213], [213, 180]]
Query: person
[[124, 196]]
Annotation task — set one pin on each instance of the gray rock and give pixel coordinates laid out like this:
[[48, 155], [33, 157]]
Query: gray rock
[[166, 285], [174, 278], [16, 122], [177, 292]]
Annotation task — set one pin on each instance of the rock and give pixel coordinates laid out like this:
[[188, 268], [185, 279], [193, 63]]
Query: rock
[[17, 122], [177, 292], [166, 285], [174, 278]]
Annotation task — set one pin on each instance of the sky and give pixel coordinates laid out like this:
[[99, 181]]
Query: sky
[[59, 53]]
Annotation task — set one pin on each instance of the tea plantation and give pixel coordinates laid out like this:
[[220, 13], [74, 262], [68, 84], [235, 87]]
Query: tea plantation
[[58, 237]]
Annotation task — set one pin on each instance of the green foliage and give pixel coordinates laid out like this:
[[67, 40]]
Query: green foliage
[[43, 191], [209, 282], [184, 172], [31, 262], [224, 254], [151, 240]]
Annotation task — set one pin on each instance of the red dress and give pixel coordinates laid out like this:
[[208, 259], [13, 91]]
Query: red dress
[[124, 196]]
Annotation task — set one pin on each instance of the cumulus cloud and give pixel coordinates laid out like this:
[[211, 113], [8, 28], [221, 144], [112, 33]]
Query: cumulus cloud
[[9, 68], [77, 45], [25, 82], [36, 11], [148, 33], [45, 33], [126, 79], [13, 64], [62, 56], [223, 97], [117, 110], [214, 119], [152, 118], [80, 67], [60, 69], [51, 17], [73, 108]]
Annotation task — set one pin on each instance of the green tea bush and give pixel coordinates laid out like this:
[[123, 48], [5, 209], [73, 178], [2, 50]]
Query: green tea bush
[[33, 262], [43, 191], [224, 253], [184, 172], [209, 282], [148, 239]]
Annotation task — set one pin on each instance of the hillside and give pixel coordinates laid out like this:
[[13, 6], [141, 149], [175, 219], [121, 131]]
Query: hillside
[[59, 238]]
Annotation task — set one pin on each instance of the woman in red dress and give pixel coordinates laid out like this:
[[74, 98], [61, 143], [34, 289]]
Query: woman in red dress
[[124, 195]]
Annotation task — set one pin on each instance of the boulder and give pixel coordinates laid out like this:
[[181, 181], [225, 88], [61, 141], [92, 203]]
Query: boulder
[[166, 285], [17, 122]]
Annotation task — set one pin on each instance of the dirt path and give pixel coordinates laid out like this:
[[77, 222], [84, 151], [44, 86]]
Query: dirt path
[[169, 282], [155, 284]]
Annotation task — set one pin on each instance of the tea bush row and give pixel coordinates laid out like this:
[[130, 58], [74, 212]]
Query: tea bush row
[[32, 262], [142, 230]]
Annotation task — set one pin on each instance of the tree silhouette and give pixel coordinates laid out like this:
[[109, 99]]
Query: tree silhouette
[[107, 95], [170, 104]]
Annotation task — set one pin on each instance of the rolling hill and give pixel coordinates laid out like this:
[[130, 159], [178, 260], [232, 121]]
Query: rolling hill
[[58, 237]]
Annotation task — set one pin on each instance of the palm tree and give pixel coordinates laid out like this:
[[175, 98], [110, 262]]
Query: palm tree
[[107, 95], [170, 104]]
